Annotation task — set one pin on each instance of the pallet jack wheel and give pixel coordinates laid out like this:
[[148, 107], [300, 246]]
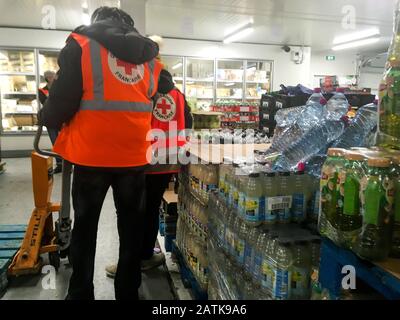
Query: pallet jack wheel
[[54, 258]]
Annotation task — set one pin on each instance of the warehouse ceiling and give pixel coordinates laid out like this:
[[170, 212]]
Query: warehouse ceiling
[[308, 22]]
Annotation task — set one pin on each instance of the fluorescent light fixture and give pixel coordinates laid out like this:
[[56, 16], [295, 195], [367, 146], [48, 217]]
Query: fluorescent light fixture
[[357, 36], [251, 69], [355, 44], [229, 84], [189, 82], [178, 65], [86, 18], [238, 35], [85, 5]]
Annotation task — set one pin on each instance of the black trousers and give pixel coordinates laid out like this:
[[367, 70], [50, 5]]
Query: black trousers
[[155, 188], [89, 189]]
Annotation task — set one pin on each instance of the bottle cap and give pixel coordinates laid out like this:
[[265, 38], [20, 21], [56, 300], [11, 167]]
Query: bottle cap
[[322, 101], [270, 174], [379, 162], [284, 173], [376, 102], [317, 90], [336, 152], [354, 156], [301, 166]]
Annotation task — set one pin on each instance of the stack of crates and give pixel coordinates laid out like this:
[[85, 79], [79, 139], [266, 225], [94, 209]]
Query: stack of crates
[[169, 218]]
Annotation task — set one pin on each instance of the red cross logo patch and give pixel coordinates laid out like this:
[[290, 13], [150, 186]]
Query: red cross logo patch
[[165, 108], [126, 72]]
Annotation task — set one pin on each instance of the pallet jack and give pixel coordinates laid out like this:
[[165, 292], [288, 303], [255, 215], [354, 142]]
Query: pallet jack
[[42, 235]]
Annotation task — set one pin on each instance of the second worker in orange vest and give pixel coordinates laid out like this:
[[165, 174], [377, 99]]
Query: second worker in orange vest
[[103, 95]]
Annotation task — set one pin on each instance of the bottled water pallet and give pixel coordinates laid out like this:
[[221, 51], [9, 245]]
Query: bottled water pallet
[[11, 237], [380, 278], [187, 276]]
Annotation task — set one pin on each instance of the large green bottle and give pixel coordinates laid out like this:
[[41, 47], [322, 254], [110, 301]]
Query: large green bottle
[[350, 220], [389, 92], [395, 173], [377, 191]]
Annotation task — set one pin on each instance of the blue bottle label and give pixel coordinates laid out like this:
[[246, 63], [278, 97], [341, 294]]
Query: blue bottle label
[[298, 206], [281, 286]]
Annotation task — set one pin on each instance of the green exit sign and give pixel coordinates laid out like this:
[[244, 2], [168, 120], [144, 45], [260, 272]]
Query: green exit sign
[[330, 58]]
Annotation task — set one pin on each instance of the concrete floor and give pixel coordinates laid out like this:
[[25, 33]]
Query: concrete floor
[[16, 204]]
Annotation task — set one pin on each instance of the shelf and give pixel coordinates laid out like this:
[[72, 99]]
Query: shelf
[[232, 97], [208, 113], [201, 98], [256, 82], [6, 73], [21, 112], [229, 81], [199, 80], [18, 93], [177, 78]]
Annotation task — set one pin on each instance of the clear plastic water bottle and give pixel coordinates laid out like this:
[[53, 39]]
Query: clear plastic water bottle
[[258, 256], [337, 106], [301, 271], [268, 264], [251, 243], [313, 141], [314, 113], [315, 97], [282, 270], [359, 129], [254, 200]]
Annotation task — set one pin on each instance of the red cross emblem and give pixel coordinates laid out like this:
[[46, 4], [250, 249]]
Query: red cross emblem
[[164, 106], [129, 67]]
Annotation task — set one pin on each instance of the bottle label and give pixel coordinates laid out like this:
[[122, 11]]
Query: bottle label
[[257, 265], [279, 203], [242, 204], [235, 199], [222, 187], [300, 283], [281, 286], [240, 247], [377, 200], [317, 199], [267, 274], [254, 207], [247, 257], [351, 196], [299, 206]]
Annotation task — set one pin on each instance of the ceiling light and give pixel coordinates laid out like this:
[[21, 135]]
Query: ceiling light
[[240, 33], [178, 65], [189, 82], [355, 44], [356, 36], [229, 84], [85, 5]]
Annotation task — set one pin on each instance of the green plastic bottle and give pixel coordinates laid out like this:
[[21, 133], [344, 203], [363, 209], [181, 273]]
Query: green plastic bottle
[[395, 174], [300, 288], [377, 191], [329, 193], [350, 221]]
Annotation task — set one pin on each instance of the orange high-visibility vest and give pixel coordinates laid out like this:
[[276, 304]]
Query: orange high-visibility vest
[[110, 127], [168, 109]]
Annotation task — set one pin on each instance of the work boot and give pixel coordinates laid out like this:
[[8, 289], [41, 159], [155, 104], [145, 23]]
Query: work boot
[[156, 260]]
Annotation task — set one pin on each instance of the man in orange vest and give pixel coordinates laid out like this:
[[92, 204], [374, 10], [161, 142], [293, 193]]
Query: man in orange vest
[[170, 107], [49, 77], [103, 96]]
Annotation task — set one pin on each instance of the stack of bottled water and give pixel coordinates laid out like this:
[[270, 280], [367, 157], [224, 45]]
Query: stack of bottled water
[[268, 262]]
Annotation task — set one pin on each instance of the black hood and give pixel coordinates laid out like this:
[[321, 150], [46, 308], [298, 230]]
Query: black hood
[[123, 41], [165, 83]]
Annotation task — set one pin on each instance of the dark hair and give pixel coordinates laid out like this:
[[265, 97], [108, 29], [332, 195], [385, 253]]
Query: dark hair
[[113, 13]]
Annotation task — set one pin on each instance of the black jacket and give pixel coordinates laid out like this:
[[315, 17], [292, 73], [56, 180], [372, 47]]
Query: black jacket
[[65, 94]]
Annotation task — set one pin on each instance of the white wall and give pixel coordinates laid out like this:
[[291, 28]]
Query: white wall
[[285, 71], [344, 64]]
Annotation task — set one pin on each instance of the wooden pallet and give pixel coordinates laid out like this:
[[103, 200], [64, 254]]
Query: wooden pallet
[[11, 237], [383, 277], [187, 275]]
